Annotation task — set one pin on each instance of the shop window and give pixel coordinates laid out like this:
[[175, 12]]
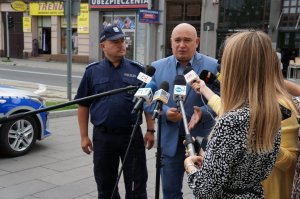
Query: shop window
[[127, 22], [64, 40], [74, 36]]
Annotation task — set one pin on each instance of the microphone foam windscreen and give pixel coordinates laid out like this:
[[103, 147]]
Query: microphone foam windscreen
[[165, 86], [150, 70], [207, 76], [187, 70], [179, 80]]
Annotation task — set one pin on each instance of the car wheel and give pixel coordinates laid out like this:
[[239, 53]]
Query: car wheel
[[17, 137]]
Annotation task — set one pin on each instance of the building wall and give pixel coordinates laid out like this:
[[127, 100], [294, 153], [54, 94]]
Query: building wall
[[208, 41], [274, 19], [94, 42]]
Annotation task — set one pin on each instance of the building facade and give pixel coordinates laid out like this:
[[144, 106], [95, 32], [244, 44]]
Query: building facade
[[41, 28]]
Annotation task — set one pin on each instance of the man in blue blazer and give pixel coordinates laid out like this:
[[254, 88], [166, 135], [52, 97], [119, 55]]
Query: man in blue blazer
[[184, 42]]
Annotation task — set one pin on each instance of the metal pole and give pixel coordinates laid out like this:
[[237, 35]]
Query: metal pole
[[7, 38], [69, 48]]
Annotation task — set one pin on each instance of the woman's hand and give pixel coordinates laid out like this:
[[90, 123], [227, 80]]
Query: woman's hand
[[192, 163], [198, 85]]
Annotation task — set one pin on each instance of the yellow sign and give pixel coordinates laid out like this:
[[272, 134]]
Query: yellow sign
[[47, 8], [19, 6], [26, 24], [83, 19]]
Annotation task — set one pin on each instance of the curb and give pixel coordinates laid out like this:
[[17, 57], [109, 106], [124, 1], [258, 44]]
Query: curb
[[58, 114]]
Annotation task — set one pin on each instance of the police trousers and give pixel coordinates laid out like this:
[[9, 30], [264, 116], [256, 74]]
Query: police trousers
[[110, 146]]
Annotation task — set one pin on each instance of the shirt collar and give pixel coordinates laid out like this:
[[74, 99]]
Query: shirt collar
[[111, 65], [189, 64]]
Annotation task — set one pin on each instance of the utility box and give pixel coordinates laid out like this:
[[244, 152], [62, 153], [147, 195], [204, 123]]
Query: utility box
[[35, 48]]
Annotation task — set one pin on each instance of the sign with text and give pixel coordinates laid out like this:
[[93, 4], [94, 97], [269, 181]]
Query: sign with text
[[83, 19], [20, 6], [26, 24], [149, 16], [50, 8], [118, 3]]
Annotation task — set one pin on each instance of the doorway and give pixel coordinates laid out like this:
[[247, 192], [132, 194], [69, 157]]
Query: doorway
[[46, 41]]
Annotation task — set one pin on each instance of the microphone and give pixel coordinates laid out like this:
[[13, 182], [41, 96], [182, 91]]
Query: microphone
[[146, 78], [209, 78], [179, 90], [144, 95], [161, 97], [179, 96], [190, 75]]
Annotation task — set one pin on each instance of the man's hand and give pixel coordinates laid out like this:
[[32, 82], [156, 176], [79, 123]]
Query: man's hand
[[86, 145], [149, 140], [196, 117], [173, 115]]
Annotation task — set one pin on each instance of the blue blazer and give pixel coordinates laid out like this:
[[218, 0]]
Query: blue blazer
[[166, 71]]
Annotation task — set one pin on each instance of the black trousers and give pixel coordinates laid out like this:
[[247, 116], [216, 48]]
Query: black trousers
[[109, 148]]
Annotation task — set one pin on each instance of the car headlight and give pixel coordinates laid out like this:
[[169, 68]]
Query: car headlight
[[39, 99]]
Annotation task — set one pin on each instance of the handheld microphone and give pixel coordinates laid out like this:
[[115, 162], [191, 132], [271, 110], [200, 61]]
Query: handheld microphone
[[144, 95], [209, 78], [161, 97], [190, 75], [146, 78], [179, 90], [179, 96]]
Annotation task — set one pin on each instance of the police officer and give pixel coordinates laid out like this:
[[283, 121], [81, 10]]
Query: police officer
[[112, 119]]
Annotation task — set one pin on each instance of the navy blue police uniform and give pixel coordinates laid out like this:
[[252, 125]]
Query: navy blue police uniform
[[113, 124]]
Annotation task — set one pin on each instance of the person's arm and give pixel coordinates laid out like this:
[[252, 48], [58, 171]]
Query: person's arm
[[288, 155], [149, 136], [214, 101], [83, 121], [219, 156], [292, 88]]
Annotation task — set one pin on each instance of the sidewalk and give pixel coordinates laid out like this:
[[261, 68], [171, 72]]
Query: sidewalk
[[57, 168]]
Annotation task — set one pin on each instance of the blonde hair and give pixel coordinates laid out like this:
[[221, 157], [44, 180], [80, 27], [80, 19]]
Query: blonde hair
[[283, 94], [248, 76]]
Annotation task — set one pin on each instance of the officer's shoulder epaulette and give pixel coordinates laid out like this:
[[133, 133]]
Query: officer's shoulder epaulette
[[92, 64], [136, 63]]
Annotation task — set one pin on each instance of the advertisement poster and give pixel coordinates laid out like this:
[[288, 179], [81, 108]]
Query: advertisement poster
[[26, 24], [46, 8], [83, 19]]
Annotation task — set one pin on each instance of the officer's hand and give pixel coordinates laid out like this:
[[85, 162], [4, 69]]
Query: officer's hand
[[86, 145], [149, 140], [173, 115]]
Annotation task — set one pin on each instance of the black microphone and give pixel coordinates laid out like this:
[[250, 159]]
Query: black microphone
[[179, 90], [161, 97], [209, 78], [77, 101]]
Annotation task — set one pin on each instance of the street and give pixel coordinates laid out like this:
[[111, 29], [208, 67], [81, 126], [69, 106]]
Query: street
[[48, 73]]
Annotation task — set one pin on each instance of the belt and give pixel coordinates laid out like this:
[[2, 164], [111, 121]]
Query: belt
[[117, 130]]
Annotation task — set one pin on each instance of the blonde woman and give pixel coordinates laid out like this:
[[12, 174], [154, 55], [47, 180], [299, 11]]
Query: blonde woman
[[279, 183], [245, 141]]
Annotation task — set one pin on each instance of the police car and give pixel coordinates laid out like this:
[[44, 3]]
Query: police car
[[18, 136]]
